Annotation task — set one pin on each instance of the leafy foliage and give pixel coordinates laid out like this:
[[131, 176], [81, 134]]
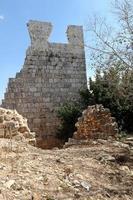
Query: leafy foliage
[[68, 114], [87, 98], [114, 90]]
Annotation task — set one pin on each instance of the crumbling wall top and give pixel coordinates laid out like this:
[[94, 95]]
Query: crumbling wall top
[[40, 31], [75, 35]]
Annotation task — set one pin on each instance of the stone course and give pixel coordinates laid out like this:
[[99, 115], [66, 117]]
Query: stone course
[[52, 74]]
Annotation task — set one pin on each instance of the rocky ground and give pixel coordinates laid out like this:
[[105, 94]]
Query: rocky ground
[[99, 170]]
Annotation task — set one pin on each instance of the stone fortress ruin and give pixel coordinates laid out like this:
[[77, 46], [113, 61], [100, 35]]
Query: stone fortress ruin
[[52, 75]]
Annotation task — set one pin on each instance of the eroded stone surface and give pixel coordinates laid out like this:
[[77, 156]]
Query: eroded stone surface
[[13, 125], [96, 122]]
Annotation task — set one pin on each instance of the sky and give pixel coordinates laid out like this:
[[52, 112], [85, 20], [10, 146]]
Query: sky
[[14, 37]]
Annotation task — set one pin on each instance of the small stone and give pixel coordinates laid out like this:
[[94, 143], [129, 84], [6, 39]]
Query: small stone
[[40, 178], [102, 141], [79, 176], [17, 187], [129, 139], [85, 185], [76, 183], [9, 184], [125, 168], [110, 158], [120, 144], [94, 142]]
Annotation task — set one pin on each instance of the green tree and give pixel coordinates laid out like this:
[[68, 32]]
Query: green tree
[[114, 90], [68, 115]]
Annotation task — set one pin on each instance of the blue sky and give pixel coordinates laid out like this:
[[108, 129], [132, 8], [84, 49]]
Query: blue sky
[[14, 37]]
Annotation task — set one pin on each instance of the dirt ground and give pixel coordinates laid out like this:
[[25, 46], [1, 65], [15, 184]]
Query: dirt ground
[[99, 170]]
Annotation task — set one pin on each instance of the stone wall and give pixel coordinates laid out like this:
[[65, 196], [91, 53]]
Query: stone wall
[[52, 74], [96, 122]]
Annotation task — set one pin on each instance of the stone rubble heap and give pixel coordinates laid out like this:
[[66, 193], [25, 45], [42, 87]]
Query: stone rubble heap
[[96, 122], [100, 170], [14, 125]]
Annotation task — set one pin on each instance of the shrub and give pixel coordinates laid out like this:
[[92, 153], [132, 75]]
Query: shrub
[[114, 89], [68, 114], [87, 98]]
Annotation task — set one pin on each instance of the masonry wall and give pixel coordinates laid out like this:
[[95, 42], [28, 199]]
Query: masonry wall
[[52, 74]]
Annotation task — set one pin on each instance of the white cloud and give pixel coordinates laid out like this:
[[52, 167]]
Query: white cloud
[[2, 17]]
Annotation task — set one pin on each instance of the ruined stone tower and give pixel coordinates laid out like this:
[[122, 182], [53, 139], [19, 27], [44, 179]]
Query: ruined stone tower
[[52, 74]]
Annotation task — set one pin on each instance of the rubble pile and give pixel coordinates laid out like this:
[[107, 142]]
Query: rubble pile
[[101, 170], [96, 122], [14, 125]]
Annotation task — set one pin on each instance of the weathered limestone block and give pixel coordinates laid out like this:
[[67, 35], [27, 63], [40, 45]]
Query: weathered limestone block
[[96, 122], [52, 74]]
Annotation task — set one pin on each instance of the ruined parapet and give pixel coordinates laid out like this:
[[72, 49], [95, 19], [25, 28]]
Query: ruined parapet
[[39, 33], [96, 122], [52, 74]]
